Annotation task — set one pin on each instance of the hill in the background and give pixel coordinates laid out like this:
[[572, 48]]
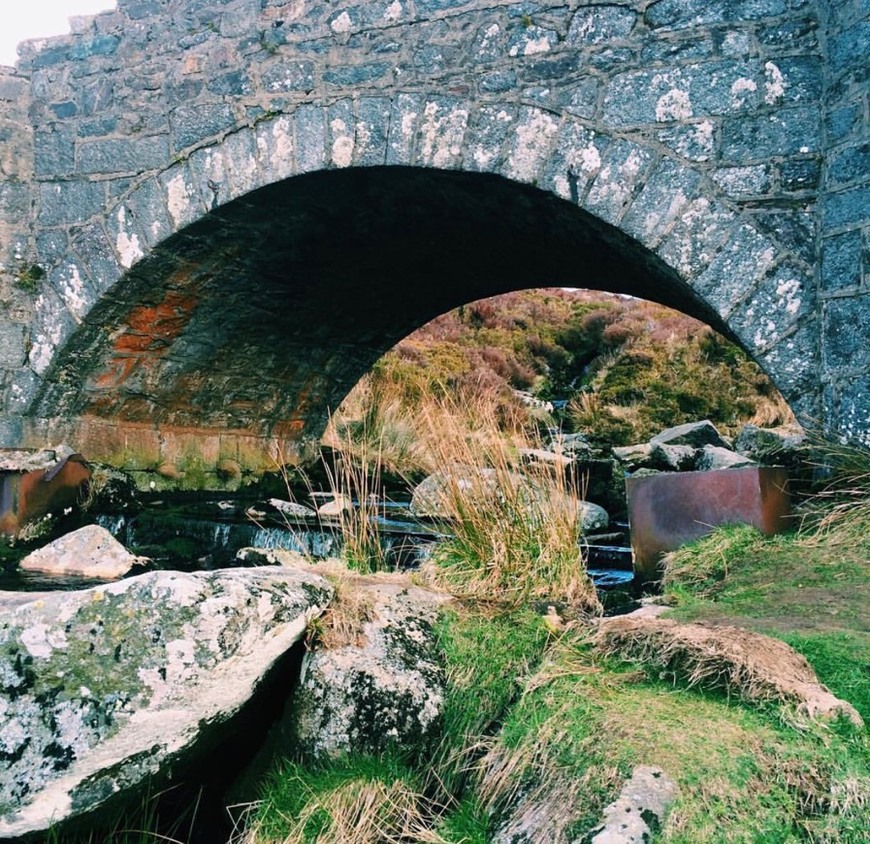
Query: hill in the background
[[616, 368]]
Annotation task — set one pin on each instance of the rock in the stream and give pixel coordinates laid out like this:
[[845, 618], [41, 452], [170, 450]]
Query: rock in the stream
[[103, 688], [694, 434], [291, 508], [384, 690], [711, 457], [90, 551], [637, 814], [592, 517]]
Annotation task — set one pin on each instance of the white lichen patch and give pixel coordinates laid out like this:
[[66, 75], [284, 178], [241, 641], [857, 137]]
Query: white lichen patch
[[442, 132], [275, 147], [774, 84], [342, 143], [742, 90], [533, 139], [341, 24], [788, 292], [46, 338], [127, 242], [72, 289], [40, 640], [673, 105], [394, 11], [178, 199]]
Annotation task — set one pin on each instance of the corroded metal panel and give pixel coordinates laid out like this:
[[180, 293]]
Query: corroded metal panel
[[27, 496], [668, 510]]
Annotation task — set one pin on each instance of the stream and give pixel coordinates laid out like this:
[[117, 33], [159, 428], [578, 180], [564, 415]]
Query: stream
[[207, 534]]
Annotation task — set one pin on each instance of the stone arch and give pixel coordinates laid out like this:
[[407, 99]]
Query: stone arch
[[652, 215]]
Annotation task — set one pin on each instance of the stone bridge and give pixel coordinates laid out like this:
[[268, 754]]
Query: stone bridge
[[215, 215]]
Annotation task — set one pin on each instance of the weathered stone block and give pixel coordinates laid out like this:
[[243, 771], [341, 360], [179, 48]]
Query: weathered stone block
[[842, 261], [15, 201], [800, 174], [406, 113], [743, 181], [69, 202], [698, 233], [663, 197], [123, 155], [12, 347], [276, 148], [98, 258], [786, 132], [783, 296], [289, 76], [599, 24], [846, 327], [484, 145], [372, 131], [54, 151], [310, 138], [147, 203], [240, 154], [679, 14], [846, 208], [849, 165], [734, 269], [194, 123], [533, 135], [52, 325], [441, 132], [624, 165]]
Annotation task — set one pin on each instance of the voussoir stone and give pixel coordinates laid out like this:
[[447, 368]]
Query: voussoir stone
[[90, 551], [105, 688]]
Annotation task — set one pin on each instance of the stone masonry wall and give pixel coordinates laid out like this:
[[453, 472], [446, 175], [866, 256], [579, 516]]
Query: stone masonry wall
[[20, 274], [844, 254], [693, 126]]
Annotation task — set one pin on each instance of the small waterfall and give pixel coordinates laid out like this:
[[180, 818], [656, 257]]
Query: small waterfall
[[221, 535]]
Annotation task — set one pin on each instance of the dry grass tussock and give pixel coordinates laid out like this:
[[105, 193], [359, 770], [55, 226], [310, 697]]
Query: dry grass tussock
[[359, 811], [516, 528], [840, 510], [752, 666]]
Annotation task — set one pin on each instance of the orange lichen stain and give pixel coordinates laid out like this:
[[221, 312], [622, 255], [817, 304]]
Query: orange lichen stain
[[147, 334], [115, 373], [289, 429], [167, 319]]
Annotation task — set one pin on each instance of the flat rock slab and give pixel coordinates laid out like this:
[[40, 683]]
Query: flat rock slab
[[102, 688]]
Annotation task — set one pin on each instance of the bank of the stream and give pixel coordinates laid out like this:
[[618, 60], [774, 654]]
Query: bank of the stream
[[543, 730]]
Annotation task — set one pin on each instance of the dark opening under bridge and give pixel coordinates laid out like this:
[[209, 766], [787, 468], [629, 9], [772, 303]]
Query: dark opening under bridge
[[215, 216]]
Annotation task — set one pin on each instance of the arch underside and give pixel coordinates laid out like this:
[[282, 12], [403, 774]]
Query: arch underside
[[261, 316]]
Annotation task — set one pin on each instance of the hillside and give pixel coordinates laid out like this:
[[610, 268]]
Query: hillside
[[617, 369]]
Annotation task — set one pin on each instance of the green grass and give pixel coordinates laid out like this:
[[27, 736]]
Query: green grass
[[487, 658], [468, 823], [799, 588], [743, 773], [296, 797]]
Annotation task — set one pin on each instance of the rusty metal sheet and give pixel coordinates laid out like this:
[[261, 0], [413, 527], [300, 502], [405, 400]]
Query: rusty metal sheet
[[668, 510], [27, 496]]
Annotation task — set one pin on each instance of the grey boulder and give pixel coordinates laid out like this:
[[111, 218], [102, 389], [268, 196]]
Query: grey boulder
[[90, 551], [103, 688]]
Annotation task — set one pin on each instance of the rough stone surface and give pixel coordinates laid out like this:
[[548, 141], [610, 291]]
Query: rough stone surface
[[384, 691], [103, 688], [694, 434], [639, 811], [141, 295], [90, 551], [713, 457]]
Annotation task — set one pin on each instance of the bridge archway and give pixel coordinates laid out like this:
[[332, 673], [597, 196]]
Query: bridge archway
[[248, 324]]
